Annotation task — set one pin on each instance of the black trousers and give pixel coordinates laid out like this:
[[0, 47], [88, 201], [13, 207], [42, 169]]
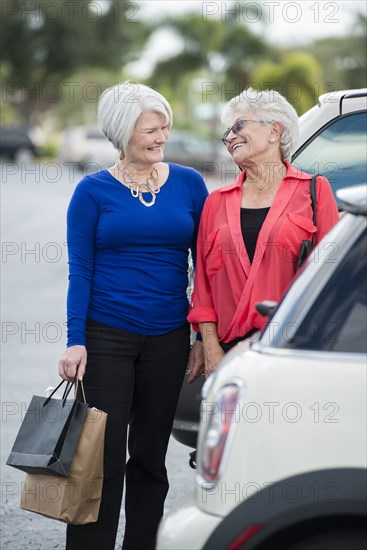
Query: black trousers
[[137, 380], [229, 345]]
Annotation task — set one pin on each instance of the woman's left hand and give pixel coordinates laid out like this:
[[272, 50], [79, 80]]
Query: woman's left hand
[[196, 364]]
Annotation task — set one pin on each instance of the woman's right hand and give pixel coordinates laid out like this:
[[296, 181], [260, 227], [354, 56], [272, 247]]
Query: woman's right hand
[[213, 355], [74, 359], [213, 351]]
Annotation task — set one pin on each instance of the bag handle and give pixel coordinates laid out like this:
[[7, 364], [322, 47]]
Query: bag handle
[[82, 388], [308, 245], [67, 390], [53, 392], [313, 204], [74, 383]]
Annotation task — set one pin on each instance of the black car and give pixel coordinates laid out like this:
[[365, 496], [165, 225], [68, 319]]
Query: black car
[[187, 148], [19, 143]]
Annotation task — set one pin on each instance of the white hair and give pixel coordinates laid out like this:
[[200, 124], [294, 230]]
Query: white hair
[[271, 106], [120, 107]]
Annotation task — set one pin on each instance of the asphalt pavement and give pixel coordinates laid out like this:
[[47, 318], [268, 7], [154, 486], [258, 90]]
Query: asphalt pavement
[[34, 200]]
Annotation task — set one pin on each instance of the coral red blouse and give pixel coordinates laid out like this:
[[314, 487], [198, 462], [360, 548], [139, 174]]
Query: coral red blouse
[[227, 286]]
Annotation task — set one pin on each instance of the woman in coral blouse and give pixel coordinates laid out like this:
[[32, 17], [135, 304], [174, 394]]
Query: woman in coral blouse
[[251, 231]]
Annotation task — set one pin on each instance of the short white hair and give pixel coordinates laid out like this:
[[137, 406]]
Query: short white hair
[[271, 106], [121, 105]]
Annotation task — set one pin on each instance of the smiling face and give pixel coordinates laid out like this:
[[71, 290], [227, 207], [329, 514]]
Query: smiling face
[[253, 141], [146, 145]]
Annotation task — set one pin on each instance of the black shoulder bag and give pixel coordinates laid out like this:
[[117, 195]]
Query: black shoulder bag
[[307, 245]]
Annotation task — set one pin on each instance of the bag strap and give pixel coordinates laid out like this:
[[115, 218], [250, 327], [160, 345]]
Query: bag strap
[[67, 390], [313, 203], [82, 388], [54, 391]]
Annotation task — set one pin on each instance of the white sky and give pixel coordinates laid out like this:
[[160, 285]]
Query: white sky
[[287, 22]]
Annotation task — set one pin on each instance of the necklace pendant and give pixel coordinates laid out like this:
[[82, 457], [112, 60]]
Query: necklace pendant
[[143, 201], [134, 191], [150, 185]]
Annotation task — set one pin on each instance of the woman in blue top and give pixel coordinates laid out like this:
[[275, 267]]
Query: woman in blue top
[[129, 231]]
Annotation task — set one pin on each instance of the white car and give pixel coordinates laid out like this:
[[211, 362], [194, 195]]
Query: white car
[[87, 148], [333, 138], [332, 142], [282, 440]]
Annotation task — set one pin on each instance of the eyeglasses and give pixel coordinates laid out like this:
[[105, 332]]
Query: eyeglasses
[[239, 125]]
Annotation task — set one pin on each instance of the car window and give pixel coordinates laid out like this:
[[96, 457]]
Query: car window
[[338, 152], [352, 337], [95, 134], [337, 320], [193, 146]]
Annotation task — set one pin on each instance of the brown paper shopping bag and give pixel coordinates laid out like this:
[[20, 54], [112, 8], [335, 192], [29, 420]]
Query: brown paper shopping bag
[[76, 498]]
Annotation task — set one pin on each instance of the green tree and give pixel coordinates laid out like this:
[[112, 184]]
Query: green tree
[[44, 42], [294, 77], [222, 52], [344, 58]]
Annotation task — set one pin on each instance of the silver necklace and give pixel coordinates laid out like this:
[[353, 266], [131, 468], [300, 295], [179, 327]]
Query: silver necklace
[[150, 185]]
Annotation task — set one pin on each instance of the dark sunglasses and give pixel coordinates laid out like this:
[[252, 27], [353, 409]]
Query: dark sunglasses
[[239, 125]]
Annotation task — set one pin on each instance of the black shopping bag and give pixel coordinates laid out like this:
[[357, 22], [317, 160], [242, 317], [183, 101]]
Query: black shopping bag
[[49, 434]]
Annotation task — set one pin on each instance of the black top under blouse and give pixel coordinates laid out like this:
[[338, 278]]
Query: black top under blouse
[[252, 220]]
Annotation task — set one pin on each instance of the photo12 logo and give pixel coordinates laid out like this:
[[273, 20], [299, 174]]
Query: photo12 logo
[[271, 411], [68, 11], [271, 12], [290, 492]]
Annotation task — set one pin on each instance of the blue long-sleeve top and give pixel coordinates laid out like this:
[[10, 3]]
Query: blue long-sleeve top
[[128, 262]]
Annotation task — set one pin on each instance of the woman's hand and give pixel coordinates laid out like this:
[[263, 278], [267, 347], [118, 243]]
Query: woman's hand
[[196, 364], [213, 355], [213, 351], [74, 358]]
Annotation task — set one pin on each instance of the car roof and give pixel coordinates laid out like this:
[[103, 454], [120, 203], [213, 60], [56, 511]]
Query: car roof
[[329, 107], [343, 101], [343, 94]]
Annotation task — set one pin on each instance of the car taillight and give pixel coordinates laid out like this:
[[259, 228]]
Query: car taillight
[[219, 416], [244, 536]]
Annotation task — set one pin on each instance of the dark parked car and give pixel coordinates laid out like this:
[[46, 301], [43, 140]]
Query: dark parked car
[[333, 142], [21, 143], [185, 147]]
